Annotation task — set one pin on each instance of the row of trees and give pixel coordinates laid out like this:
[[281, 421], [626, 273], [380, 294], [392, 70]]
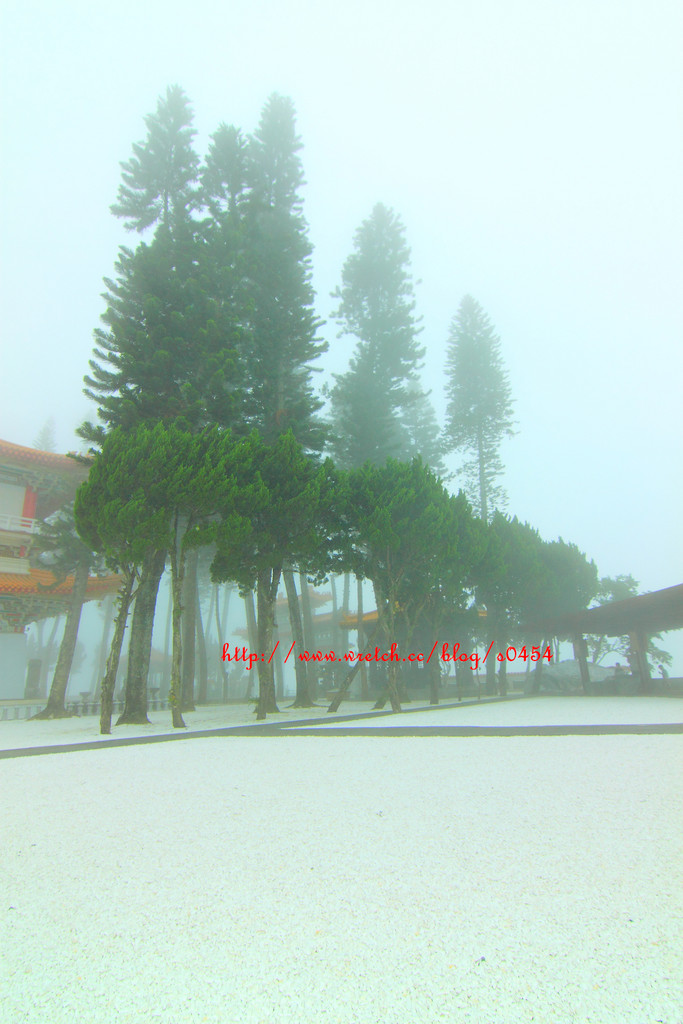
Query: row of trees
[[212, 321], [378, 409], [210, 430], [267, 507]]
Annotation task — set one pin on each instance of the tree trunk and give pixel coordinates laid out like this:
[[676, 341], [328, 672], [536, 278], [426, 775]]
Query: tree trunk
[[210, 614], [222, 619], [220, 630], [364, 691], [337, 638], [502, 675], [303, 697], [309, 634], [536, 675], [266, 594], [434, 673], [109, 679], [483, 495], [278, 665], [179, 589], [252, 632], [163, 690], [581, 655], [140, 646], [46, 655], [350, 676], [490, 669], [189, 626], [463, 679], [385, 620], [201, 650], [104, 643], [55, 703]]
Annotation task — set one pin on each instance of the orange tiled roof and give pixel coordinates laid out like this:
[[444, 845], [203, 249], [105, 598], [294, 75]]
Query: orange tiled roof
[[37, 579], [18, 455]]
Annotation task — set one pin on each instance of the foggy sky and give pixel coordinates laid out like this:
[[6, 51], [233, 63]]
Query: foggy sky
[[533, 151]]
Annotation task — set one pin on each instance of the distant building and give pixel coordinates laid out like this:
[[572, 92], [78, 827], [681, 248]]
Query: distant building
[[33, 485]]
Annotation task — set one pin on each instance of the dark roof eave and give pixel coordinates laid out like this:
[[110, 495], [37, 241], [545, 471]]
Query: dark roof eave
[[656, 612]]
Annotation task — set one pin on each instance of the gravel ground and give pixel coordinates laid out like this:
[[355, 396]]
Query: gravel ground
[[546, 710], [305, 880]]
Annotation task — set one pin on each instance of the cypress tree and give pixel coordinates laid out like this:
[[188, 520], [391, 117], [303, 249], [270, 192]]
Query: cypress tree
[[281, 338], [375, 405], [479, 410]]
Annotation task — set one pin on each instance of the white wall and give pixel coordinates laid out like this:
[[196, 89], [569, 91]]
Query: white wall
[[11, 499], [12, 665]]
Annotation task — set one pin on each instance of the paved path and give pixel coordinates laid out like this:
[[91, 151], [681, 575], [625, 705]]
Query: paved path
[[343, 726]]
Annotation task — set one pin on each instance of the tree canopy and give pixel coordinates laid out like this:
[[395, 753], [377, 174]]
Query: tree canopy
[[210, 429], [479, 409], [376, 403]]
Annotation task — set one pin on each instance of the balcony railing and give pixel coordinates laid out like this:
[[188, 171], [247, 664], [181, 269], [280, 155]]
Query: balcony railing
[[17, 524]]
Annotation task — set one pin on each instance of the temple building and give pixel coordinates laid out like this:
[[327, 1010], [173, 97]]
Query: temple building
[[33, 485]]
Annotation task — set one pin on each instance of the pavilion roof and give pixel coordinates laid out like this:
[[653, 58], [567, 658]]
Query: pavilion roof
[[41, 583], [655, 612], [31, 458]]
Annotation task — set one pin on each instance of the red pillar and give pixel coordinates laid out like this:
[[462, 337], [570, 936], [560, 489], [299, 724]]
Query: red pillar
[[28, 511]]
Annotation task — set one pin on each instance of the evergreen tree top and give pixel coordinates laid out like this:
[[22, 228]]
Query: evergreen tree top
[[376, 297], [376, 404], [225, 173], [159, 180], [478, 385], [276, 167], [479, 404]]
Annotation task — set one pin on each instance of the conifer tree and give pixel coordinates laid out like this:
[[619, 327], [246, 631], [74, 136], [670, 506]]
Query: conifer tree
[[424, 436], [479, 410], [167, 345], [63, 551], [160, 180], [409, 537], [281, 339], [375, 405], [162, 337], [294, 520]]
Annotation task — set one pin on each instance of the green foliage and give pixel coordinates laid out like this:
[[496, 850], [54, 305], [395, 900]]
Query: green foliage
[[203, 376], [168, 346], [410, 537], [160, 485], [376, 406], [213, 320], [60, 547], [225, 173], [570, 580], [524, 578], [422, 430], [45, 438], [159, 180], [293, 514], [511, 577], [113, 509], [281, 338], [479, 410]]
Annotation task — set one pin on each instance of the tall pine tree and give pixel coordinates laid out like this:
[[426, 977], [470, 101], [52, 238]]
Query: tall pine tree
[[151, 359], [167, 345], [479, 409], [377, 405], [160, 180], [281, 338]]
